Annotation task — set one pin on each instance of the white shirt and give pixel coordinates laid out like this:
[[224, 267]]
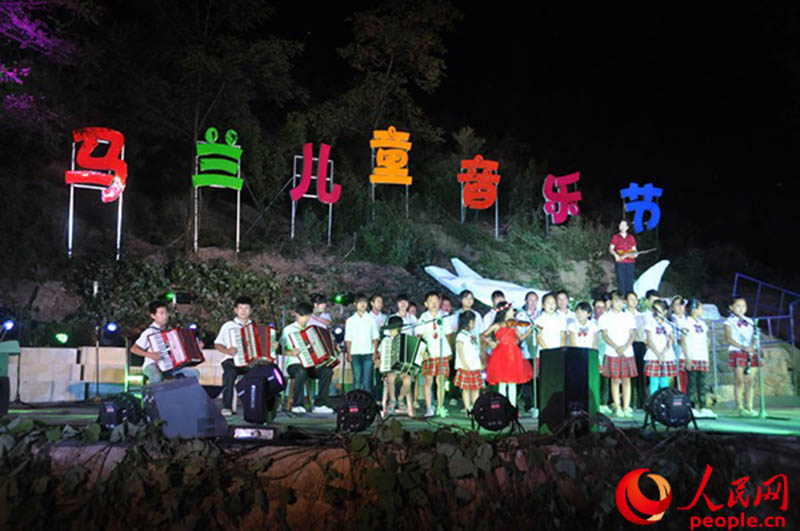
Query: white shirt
[[408, 323], [361, 331], [642, 321], [696, 338], [143, 341], [618, 326], [224, 335], [434, 334], [567, 317], [551, 327], [315, 320], [584, 334], [478, 322], [287, 345], [380, 318], [530, 342], [660, 336], [741, 331], [470, 348], [488, 320]]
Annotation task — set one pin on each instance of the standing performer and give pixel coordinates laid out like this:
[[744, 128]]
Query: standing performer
[[302, 314], [678, 316], [605, 389], [639, 346], [160, 315], [742, 357], [409, 320], [320, 315], [660, 363], [583, 331], [242, 308], [361, 339], [468, 361], [550, 327], [507, 367], [695, 346], [621, 248], [618, 329], [562, 308], [530, 347], [376, 310], [431, 328]]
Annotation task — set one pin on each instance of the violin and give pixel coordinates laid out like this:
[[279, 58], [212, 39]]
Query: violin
[[517, 322]]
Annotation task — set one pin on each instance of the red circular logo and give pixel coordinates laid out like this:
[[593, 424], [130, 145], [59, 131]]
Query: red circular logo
[[629, 497]]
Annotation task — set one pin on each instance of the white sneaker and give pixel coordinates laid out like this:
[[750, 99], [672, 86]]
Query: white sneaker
[[226, 412], [298, 409], [697, 413], [322, 409], [707, 413], [604, 409], [430, 412], [534, 413]]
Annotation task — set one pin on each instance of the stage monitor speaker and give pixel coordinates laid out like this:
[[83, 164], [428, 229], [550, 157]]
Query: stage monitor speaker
[[185, 407], [570, 382], [5, 394], [257, 393]]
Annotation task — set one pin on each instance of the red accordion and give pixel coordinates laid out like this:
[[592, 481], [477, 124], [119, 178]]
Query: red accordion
[[253, 343], [178, 348], [316, 347]]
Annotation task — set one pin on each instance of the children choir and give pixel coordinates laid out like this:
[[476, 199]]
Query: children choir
[[642, 347]]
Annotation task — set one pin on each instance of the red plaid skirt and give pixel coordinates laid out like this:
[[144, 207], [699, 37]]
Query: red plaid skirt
[[616, 367], [737, 358], [435, 366], [660, 369], [468, 380], [697, 366]]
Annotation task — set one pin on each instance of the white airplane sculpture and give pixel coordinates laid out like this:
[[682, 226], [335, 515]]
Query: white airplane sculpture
[[482, 288]]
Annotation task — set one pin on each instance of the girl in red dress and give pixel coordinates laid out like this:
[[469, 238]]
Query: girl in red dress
[[507, 367]]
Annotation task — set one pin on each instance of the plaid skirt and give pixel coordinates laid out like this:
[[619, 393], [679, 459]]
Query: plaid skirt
[[616, 367], [737, 358], [697, 366], [468, 380], [660, 369], [436, 366]]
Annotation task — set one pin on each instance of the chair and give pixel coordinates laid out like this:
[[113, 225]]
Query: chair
[[134, 376]]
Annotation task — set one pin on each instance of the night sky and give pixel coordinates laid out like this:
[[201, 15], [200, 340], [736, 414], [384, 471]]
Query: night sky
[[705, 106]]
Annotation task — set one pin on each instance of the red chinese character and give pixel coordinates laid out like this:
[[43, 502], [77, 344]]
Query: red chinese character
[[781, 486], [480, 187], [561, 203], [736, 493], [111, 162], [700, 491], [322, 174]]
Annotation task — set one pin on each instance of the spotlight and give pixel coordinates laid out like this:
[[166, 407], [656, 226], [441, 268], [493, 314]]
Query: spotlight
[[669, 407], [170, 296], [492, 411], [357, 412], [111, 327], [192, 326], [338, 298], [62, 338], [8, 325], [343, 298], [338, 334]]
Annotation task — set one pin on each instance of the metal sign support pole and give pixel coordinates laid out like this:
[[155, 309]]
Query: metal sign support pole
[[119, 223], [496, 218], [238, 219]]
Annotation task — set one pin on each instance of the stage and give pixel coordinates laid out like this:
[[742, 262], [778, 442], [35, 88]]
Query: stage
[[780, 421]]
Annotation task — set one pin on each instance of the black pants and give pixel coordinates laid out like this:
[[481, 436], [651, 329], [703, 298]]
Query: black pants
[[300, 374], [527, 391], [624, 276], [639, 384], [229, 373], [696, 388]]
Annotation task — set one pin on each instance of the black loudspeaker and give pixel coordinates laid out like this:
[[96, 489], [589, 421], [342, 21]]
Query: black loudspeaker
[[570, 383], [5, 394], [185, 407], [257, 392]]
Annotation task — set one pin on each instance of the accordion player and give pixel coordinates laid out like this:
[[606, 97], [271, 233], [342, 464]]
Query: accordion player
[[177, 347], [254, 344]]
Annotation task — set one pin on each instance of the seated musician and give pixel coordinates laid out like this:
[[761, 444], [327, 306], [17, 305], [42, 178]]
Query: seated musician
[[297, 372], [160, 315], [242, 308], [393, 327]]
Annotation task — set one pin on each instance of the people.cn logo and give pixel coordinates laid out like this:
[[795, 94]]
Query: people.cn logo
[[630, 498]]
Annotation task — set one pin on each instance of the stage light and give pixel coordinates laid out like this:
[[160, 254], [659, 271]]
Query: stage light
[[338, 298], [357, 412], [669, 407], [111, 327], [62, 338], [8, 325], [492, 411], [170, 296], [192, 326], [338, 334]]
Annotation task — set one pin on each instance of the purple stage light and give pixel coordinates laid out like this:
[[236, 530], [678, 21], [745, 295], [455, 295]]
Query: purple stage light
[[278, 376]]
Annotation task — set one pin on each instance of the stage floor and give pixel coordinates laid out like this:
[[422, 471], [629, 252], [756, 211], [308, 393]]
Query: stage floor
[[780, 421]]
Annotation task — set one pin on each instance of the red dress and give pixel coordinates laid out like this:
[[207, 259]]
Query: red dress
[[506, 364]]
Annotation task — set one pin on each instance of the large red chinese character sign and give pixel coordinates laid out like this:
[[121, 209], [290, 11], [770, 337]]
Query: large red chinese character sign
[[560, 202], [324, 177], [390, 159], [98, 163], [479, 180]]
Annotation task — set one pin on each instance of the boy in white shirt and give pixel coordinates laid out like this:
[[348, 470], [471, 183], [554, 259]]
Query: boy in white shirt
[[618, 329], [376, 310], [431, 328], [361, 339], [320, 315], [302, 315], [160, 315], [402, 312], [242, 307]]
